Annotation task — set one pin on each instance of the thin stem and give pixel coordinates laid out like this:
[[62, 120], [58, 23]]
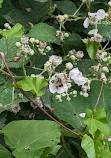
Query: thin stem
[[105, 46], [4, 72], [78, 9], [35, 68], [107, 49], [43, 110], [99, 96], [65, 147]]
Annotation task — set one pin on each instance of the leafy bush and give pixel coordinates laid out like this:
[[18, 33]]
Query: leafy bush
[[55, 83]]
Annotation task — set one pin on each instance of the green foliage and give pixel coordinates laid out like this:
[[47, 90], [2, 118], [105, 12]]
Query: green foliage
[[15, 31], [11, 51], [33, 85], [36, 134], [4, 153], [97, 120], [92, 48], [67, 7], [105, 31], [44, 32]]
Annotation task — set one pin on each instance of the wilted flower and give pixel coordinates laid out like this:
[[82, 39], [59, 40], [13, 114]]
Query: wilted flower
[[76, 75], [100, 55], [60, 18], [97, 37], [55, 60], [15, 108], [58, 83], [94, 18], [60, 35], [24, 39]]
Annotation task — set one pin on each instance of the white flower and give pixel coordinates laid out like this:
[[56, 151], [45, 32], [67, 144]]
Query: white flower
[[58, 83], [94, 18], [82, 115], [76, 75], [55, 60], [97, 37]]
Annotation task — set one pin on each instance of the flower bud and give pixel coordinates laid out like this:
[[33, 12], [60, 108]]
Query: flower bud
[[85, 94], [18, 44], [60, 18], [48, 48], [105, 69], [69, 66], [32, 40], [66, 35], [109, 3], [20, 95], [6, 25], [37, 41], [72, 57], [32, 52]]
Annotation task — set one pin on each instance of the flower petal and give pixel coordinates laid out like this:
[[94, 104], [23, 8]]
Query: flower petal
[[101, 14], [86, 23]]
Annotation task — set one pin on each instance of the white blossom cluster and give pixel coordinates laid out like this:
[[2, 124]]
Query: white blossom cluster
[[7, 27], [75, 55], [23, 48], [62, 82], [93, 18]]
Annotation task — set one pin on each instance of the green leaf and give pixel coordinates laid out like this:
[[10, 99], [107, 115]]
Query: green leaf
[[4, 153], [22, 16], [15, 31], [44, 32], [97, 120], [36, 134], [95, 148], [33, 85], [105, 31], [92, 48], [67, 7], [69, 111], [1, 1], [73, 42], [88, 145]]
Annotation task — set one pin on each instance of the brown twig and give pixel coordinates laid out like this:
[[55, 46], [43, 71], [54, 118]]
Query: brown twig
[[43, 110], [99, 96]]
